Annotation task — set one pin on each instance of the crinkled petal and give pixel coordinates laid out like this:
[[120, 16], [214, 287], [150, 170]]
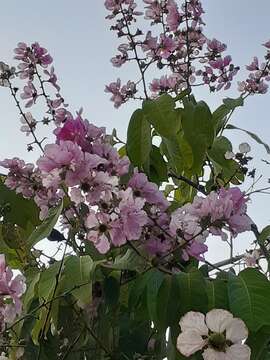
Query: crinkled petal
[[194, 321], [189, 342], [211, 354], [217, 319], [238, 352], [236, 330]]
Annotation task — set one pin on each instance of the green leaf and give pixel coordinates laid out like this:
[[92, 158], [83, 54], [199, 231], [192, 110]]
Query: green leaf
[[192, 292], [219, 117], [233, 103], [198, 130], [139, 141], [78, 273], [129, 261], [153, 285], [252, 135], [111, 290], [16, 209], [249, 298], [173, 153], [265, 234], [157, 169], [162, 306], [258, 342], [217, 294], [161, 113], [229, 169], [45, 228]]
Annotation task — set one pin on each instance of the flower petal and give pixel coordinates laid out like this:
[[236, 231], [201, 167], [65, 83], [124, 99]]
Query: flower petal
[[236, 330], [211, 354], [217, 319], [194, 321], [238, 352], [189, 342]]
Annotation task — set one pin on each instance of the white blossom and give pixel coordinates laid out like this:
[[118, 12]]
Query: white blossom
[[218, 333], [244, 148]]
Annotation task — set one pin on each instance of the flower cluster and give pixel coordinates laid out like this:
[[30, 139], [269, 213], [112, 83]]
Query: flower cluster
[[179, 48], [218, 333], [259, 75], [82, 165], [35, 67], [213, 214], [11, 290]]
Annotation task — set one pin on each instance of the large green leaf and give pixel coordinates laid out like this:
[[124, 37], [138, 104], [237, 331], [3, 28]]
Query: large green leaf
[[252, 135], [172, 150], [45, 228], [153, 285], [192, 292], [16, 209], [77, 275], [229, 169], [111, 291], [161, 113], [217, 294], [162, 303], [258, 342], [156, 168], [249, 298], [139, 141], [198, 130]]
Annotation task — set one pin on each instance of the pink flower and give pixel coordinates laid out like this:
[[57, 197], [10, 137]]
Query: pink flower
[[153, 10], [52, 78], [166, 83], [254, 65], [121, 94], [150, 44], [56, 156], [158, 246], [29, 92], [166, 47], [173, 17], [99, 226], [146, 190], [216, 46], [131, 214], [11, 290], [73, 130], [41, 55]]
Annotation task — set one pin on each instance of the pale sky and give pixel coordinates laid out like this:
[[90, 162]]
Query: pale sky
[[78, 38]]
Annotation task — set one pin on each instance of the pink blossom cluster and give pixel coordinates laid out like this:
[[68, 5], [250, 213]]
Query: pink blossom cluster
[[11, 290], [218, 214], [259, 75], [35, 66], [108, 212], [179, 47], [121, 94]]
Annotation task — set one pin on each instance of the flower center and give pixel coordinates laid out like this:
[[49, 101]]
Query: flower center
[[217, 341], [137, 193], [102, 228]]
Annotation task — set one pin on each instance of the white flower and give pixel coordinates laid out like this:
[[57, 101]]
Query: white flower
[[218, 333], [244, 148], [229, 155]]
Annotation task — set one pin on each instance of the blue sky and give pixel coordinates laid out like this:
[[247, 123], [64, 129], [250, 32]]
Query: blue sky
[[78, 37]]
